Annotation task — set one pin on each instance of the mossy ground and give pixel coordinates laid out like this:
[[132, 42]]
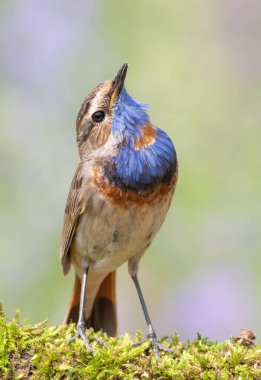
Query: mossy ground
[[40, 352]]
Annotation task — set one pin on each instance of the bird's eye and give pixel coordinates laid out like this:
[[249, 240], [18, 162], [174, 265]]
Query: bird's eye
[[98, 116]]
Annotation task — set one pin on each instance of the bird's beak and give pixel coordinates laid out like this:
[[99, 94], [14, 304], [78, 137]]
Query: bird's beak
[[120, 77], [118, 83]]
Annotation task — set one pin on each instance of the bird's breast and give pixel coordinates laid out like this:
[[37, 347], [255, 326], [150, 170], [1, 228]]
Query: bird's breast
[[125, 197], [110, 234]]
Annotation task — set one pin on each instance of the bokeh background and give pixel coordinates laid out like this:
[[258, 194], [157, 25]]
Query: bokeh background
[[198, 65]]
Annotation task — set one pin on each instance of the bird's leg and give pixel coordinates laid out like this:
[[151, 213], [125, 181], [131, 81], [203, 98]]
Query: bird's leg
[[81, 325], [151, 332]]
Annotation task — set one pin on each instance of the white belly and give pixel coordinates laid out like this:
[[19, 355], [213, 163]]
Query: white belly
[[109, 235]]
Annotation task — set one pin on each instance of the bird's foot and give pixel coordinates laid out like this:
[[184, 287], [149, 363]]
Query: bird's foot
[[156, 345], [80, 334]]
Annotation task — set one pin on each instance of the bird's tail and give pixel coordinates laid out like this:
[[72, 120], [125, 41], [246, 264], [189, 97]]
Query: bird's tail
[[103, 315]]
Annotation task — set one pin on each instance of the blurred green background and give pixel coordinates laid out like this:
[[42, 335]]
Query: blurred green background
[[198, 65]]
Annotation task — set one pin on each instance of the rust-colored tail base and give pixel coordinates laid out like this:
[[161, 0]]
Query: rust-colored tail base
[[103, 316]]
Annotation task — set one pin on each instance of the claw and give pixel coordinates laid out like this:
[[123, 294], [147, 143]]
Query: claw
[[99, 340], [156, 345], [81, 335]]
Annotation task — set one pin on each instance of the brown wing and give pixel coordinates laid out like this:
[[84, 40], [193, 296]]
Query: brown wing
[[74, 208]]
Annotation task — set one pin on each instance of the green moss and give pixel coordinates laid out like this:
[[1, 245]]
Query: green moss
[[40, 352]]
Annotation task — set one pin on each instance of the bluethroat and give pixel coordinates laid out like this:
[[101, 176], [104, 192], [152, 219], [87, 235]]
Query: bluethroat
[[118, 200]]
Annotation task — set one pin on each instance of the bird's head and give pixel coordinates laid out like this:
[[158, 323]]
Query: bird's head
[[108, 110], [115, 129]]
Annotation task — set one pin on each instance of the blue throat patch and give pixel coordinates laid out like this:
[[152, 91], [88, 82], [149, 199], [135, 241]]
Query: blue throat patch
[[150, 164]]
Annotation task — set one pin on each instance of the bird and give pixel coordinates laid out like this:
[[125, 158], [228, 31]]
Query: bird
[[118, 200]]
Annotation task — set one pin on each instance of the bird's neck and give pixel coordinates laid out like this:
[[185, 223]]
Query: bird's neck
[[145, 155], [144, 160]]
